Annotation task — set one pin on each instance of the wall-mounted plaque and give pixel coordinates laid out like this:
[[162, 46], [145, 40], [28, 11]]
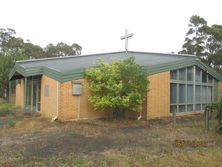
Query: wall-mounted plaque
[[76, 89]]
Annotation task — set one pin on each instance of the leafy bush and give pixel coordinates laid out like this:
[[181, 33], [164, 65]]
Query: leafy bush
[[11, 123], [218, 108], [5, 108], [219, 116], [120, 86]]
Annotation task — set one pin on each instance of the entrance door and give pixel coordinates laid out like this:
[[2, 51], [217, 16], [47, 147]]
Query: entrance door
[[33, 94], [36, 96]]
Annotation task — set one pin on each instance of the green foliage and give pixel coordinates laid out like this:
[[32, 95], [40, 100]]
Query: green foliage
[[5, 109], [120, 86], [218, 108], [219, 111], [11, 124], [6, 64], [62, 49], [204, 41]]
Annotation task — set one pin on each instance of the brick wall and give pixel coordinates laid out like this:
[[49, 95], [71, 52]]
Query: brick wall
[[158, 98], [19, 93], [76, 107], [49, 100]]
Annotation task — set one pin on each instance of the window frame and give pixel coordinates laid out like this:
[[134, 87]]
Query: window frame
[[210, 84]]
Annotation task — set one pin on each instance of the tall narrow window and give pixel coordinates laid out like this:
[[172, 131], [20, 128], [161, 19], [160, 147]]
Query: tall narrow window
[[204, 77], [209, 95], [182, 93], [198, 94], [182, 74], [204, 94], [190, 74], [198, 75], [190, 94], [173, 93], [173, 75]]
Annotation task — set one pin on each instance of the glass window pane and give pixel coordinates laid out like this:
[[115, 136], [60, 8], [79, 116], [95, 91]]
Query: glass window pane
[[182, 93], [190, 74], [198, 94], [209, 95], [198, 74], [182, 108], [173, 108], [189, 93], [182, 74], [173, 93], [198, 107], [204, 77], [173, 74], [204, 94], [190, 107]]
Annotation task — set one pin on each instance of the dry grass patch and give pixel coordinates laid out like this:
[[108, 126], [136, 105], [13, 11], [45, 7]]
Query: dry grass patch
[[36, 141]]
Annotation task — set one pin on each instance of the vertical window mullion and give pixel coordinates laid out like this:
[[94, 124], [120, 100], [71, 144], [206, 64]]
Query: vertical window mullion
[[177, 92], [201, 90], [185, 89], [194, 88]]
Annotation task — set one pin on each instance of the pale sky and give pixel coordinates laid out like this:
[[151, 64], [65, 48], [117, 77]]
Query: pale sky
[[96, 25]]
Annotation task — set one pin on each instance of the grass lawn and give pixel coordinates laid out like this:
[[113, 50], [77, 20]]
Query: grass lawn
[[35, 141]]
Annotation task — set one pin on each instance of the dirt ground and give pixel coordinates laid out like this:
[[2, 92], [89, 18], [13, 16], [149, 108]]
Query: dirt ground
[[35, 141]]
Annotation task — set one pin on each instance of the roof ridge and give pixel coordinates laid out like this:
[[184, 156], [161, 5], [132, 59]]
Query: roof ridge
[[97, 54], [171, 54], [67, 57]]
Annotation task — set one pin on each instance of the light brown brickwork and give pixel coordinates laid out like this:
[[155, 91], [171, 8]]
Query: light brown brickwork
[[69, 104], [158, 98], [19, 91], [49, 104]]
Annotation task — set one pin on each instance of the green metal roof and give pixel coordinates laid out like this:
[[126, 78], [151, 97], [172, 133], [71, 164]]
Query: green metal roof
[[69, 68]]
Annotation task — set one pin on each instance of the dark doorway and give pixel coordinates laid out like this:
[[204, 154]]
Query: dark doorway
[[33, 94]]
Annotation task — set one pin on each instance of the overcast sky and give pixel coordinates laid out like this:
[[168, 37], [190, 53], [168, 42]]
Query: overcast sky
[[158, 25]]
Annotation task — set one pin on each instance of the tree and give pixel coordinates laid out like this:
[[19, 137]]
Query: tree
[[6, 64], [120, 86], [62, 49], [6, 36], [204, 41], [33, 51], [195, 37], [214, 46]]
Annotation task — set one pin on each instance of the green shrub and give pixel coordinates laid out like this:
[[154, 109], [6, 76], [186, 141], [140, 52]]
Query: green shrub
[[219, 116], [11, 123], [5, 109], [4, 112], [119, 86]]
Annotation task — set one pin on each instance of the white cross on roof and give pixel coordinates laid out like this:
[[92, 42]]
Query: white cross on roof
[[126, 36]]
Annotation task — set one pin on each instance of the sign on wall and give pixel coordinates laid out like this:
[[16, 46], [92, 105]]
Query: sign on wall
[[77, 89]]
